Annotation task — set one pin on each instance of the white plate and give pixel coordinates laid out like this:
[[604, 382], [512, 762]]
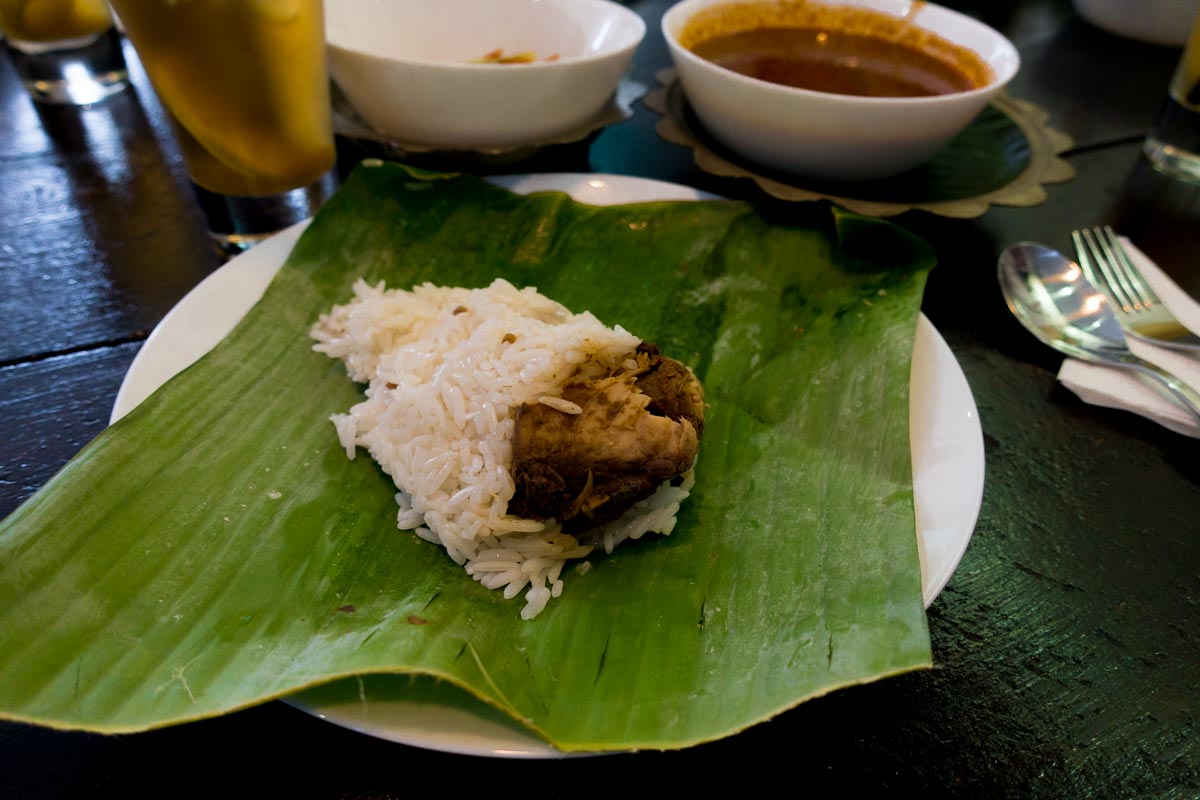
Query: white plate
[[946, 439]]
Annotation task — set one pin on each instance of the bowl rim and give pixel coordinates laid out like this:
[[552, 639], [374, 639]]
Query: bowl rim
[[998, 82], [615, 8]]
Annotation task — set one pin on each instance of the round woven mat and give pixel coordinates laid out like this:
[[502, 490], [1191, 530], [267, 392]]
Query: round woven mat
[[1004, 157]]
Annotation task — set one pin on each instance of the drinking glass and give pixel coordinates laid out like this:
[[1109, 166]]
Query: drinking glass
[[245, 87], [1173, 145], [64, 51]]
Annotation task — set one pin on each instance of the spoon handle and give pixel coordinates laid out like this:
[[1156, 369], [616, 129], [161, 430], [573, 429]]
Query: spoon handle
[[1185, 395]]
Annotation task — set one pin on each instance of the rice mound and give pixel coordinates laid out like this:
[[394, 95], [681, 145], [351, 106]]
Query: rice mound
[[446, 369]]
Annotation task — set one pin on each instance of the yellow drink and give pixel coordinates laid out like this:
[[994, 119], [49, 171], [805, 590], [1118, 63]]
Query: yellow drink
[[246, 87], [53, 20], [1185, 86], [1173, 144]]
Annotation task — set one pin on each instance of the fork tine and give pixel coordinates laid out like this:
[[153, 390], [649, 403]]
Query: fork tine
[[1090, 254], [1139, 289], [1115, 271], [1085, 257]]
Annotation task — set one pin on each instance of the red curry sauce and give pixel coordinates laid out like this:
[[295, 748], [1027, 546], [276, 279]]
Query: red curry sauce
[[836, 49]]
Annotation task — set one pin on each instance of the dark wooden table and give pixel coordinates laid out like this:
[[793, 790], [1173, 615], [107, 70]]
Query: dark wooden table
[[1067, 645]]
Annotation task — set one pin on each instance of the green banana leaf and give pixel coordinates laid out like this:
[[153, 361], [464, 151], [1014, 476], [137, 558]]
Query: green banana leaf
[[215, 548]]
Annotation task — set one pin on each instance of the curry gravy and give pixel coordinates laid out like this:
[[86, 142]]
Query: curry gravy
[[836, 49]]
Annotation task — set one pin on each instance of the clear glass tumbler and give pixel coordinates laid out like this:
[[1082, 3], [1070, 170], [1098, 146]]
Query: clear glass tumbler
[[64, 51], [1173, 144], [244, 83]]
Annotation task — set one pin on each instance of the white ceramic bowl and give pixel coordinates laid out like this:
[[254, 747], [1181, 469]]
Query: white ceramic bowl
[[832, 136], [405, 66], [1165, 22]]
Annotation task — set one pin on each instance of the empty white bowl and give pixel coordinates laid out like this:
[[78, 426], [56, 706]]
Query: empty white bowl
[[833, 136], [1165, 22], [406, 66]]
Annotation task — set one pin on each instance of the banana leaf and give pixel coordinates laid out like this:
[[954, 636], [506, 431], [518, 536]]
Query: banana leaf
[[215, 548]]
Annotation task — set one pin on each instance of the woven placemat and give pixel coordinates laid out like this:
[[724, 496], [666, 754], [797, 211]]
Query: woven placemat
[[1004, 157]]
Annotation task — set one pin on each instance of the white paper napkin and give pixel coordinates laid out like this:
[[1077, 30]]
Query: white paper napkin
[[1117, 388]]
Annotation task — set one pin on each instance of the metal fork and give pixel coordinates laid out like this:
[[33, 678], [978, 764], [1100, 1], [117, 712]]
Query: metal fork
[[1139, 310]]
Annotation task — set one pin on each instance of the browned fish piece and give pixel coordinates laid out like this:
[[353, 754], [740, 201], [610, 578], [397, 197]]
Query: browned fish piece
[[673, 389], [635, 430]]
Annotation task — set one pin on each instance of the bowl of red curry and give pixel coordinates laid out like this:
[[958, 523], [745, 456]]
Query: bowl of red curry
[[837, 90]]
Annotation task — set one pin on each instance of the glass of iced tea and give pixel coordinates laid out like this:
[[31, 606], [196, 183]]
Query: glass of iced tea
[[1173, 145], [245, 85], [64, 51]]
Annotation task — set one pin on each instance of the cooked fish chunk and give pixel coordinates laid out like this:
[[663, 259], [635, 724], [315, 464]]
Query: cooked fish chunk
[[633, 430], [673, 389]]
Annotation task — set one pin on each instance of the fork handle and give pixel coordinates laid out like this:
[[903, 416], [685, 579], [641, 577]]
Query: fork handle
[[1183, 394], [1175, 337]]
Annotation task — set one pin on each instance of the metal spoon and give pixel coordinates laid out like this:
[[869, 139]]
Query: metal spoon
[[1051, 297]]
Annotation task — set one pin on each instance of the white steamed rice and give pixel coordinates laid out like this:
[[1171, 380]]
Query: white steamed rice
[[446, 370]]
